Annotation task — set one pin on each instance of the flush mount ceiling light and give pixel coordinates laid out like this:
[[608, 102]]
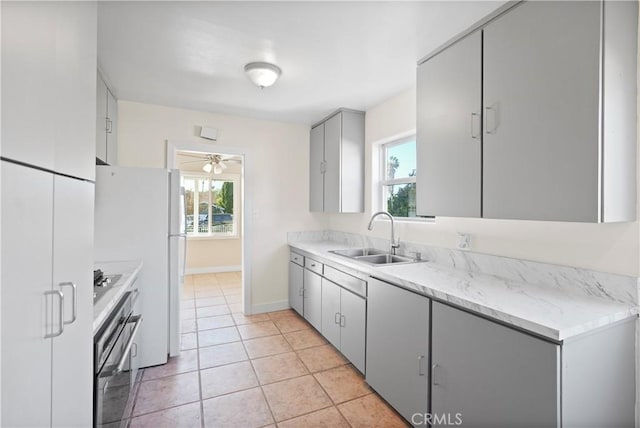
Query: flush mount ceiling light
[[263, 74]]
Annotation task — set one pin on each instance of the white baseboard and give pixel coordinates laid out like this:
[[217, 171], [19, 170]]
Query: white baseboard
[[269, 307], [213, 269]]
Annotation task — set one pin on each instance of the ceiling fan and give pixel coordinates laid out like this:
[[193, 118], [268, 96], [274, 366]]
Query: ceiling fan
[[215, 163]]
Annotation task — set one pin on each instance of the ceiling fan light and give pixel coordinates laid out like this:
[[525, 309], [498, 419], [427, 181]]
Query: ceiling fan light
[[217, 169], [262, 74], [207, 167]]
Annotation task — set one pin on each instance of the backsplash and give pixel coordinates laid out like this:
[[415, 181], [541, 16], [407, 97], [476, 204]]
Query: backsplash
[[614, 287]]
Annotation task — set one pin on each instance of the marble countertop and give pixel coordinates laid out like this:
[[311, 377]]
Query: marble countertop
[[129, 271], [555, 314]]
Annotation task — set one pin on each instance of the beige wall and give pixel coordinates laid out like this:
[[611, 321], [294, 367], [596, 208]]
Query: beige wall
[[212, 254], [279, 180], [604, 247]]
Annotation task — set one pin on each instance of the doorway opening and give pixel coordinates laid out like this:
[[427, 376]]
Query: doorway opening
[[216, 265]]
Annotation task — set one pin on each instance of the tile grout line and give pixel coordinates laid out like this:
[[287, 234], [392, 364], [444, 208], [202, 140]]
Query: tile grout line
[[255, 373]]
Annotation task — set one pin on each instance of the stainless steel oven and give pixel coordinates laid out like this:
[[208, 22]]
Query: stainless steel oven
[[114, 378]]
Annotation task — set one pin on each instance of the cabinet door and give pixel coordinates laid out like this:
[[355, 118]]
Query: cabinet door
[[313, 299], [112, 131], [398, 347], [331, 312], [72, 362], [449, 149], [101, 119], [27, 231], [353, 309], [296, 287], [332, 157], [316, 169], [541, 107], [29, 96], [493, 376], [75, 71]]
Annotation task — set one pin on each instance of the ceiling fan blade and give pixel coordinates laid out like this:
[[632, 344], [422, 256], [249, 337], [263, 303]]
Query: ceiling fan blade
[[195, 161], [202, 156], [223, 165]]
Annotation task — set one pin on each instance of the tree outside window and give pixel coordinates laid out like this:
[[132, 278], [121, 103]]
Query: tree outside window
[[398, 185]]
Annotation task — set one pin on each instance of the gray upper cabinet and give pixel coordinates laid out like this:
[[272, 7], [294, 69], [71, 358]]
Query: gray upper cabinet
[[336, 166], [491, 375], [106, 123], [557, 135], [449, 131], [541, 102]]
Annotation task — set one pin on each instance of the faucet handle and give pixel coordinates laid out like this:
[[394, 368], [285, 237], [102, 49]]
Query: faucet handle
[[418, 255]]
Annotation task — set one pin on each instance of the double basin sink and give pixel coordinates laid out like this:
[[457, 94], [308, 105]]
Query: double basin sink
[[373, 256]]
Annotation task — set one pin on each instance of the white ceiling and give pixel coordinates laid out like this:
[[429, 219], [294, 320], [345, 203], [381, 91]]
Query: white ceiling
[[332, 54]]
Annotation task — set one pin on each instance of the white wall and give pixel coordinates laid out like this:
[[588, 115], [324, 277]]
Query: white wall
[[280, 183], [603, 247]]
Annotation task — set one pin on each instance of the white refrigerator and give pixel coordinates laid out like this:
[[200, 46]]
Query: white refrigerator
[[140, 215]]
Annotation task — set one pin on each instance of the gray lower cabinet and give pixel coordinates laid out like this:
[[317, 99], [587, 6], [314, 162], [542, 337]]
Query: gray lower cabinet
[[296, 282], [344, 322], [489, 375], [313, 298], [398, 347]]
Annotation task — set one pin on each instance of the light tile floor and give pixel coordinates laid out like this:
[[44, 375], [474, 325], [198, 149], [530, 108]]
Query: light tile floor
[[252, 371]]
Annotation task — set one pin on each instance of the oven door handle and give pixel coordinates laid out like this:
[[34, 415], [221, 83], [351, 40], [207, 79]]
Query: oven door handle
[[117, 368]]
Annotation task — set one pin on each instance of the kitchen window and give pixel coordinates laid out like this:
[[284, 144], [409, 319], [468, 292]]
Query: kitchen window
[[210, 206], [398, 177]]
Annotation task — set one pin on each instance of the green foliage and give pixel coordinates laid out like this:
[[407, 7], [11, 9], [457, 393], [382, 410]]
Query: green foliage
[[225, 197], [403, 202]]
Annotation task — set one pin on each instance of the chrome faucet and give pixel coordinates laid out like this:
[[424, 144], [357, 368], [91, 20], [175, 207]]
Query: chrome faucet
[[393, 244]]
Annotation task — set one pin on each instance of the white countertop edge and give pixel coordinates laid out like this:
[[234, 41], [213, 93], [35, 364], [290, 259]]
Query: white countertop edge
[[129, 269], [557, 327]]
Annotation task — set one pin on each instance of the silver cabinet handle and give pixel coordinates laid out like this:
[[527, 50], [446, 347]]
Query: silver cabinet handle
[[420, 369], [301, 292], [433, 375], [60, 314], [323, 167], [74, 297], [109, 126], [473, 134], [490, 111], [313, 265], [343, 321], [336, 318]]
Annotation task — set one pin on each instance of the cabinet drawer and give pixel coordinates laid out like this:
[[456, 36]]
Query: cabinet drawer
[[347, 281], [313, 265], [296, 258]]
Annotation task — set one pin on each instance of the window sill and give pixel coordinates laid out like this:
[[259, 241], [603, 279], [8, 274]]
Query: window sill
[[409, 219], [211, 236]]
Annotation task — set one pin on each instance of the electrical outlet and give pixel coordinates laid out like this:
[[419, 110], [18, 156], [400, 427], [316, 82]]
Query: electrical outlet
[[464, 241]]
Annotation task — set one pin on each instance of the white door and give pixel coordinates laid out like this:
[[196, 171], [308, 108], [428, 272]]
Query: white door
[[27, 230], [72, 391]]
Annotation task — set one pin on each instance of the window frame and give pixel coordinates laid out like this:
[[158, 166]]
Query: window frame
[[235, 179], [383, 182]]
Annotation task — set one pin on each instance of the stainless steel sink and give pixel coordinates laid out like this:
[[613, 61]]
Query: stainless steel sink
[[384, 259], [373, 256], [357, 252]]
